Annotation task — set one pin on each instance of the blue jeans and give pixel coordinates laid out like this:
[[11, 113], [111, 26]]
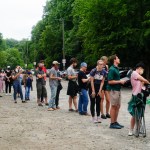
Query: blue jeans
[[53, 96], [27, 92], [17, 89], [83, 101]]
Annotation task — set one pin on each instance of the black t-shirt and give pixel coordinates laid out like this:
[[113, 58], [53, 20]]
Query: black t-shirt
[[82, 75], [40, 80]]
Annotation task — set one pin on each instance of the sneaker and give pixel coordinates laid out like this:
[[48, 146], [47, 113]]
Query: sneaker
[[58, 107], [6, 94], [86, 114], [81, 113], [76, 110], [15, 101], [46, 104], [40, 104], [94, 120], [103, 116], [108, 116], [54, 108], [1, 96], [71, 110], [130, 132], [23, 101], [119, 124], [99, 120], [114, 126], [9, 94]]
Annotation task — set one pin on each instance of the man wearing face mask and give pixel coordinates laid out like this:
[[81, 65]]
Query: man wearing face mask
[[16, 83], [45, 71], [40, 84], [137, 82], [8, 80]]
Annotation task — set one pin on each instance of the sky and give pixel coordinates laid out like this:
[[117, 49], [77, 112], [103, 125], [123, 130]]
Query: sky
[[17, 17]]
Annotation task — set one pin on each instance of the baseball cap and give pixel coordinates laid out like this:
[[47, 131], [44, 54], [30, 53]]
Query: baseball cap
[[83, 64], [55, 63]]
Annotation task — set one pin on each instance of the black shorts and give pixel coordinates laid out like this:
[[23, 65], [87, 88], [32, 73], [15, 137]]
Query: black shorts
[[41, 91], [72, 88], [105, 86]]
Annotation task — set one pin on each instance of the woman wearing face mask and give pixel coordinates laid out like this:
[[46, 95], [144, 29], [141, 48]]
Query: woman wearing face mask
[[16, 83], [137, 82]]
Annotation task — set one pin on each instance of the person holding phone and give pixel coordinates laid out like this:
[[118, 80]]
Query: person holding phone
[[16, 83]]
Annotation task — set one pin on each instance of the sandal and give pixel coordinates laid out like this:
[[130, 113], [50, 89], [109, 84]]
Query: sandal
[[50, 109]]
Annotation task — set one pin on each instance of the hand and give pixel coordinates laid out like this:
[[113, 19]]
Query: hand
[[99, 93], [39, 76], [122, 82], [93, 94], [59, 78], [89, 79]]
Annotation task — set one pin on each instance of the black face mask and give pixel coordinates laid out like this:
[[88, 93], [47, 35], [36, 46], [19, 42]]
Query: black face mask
[[40, 68]]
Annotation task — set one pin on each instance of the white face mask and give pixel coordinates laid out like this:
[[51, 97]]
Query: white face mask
[[141, 72], [16, 70]]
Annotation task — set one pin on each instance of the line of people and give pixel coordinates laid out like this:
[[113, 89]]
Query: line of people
[[16, 78], [100, 84]]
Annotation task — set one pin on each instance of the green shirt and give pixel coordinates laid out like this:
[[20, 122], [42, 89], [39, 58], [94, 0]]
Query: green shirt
[[113, 74]]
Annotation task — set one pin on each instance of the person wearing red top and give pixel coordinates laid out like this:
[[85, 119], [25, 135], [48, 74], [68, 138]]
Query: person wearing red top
[[45, 71]]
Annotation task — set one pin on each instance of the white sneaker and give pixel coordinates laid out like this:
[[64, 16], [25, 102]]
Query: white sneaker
[[6, 94], [130, 132], [10, 94], [94, 120], [99, 120]]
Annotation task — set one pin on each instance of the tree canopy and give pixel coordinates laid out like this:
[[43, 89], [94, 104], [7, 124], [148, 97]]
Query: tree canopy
[[92, 28]]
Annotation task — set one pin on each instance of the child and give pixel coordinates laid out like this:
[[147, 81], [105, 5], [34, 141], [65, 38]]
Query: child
[[28, 78]]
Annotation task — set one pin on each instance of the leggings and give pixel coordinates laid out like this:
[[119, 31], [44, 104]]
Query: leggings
[[94, 101], [8, 85]]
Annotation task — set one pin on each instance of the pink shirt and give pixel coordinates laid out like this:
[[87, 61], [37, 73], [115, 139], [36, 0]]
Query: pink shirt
[[136, 84]]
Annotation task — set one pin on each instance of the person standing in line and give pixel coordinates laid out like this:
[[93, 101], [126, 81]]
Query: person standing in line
[[137, 82], [83, 97], [53, 80], [105, 92], [16, 83], [8, 80], [72, 85], [40, 85], [59, 88], [114, 84], [27, 80], [45, 71], [95, 92], [3, 80]]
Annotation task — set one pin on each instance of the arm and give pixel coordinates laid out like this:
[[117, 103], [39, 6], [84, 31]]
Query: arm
[[85, 80], [70, 77], [143, 79], [116, 82], [92, 85], [16, 76], [101, 85]]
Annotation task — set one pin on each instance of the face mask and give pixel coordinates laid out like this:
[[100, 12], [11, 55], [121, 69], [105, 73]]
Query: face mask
[[141, 72], [40, 68], [16, 70]]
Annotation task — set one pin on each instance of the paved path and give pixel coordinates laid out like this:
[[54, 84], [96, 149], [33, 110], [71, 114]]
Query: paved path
[[29, 127]]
